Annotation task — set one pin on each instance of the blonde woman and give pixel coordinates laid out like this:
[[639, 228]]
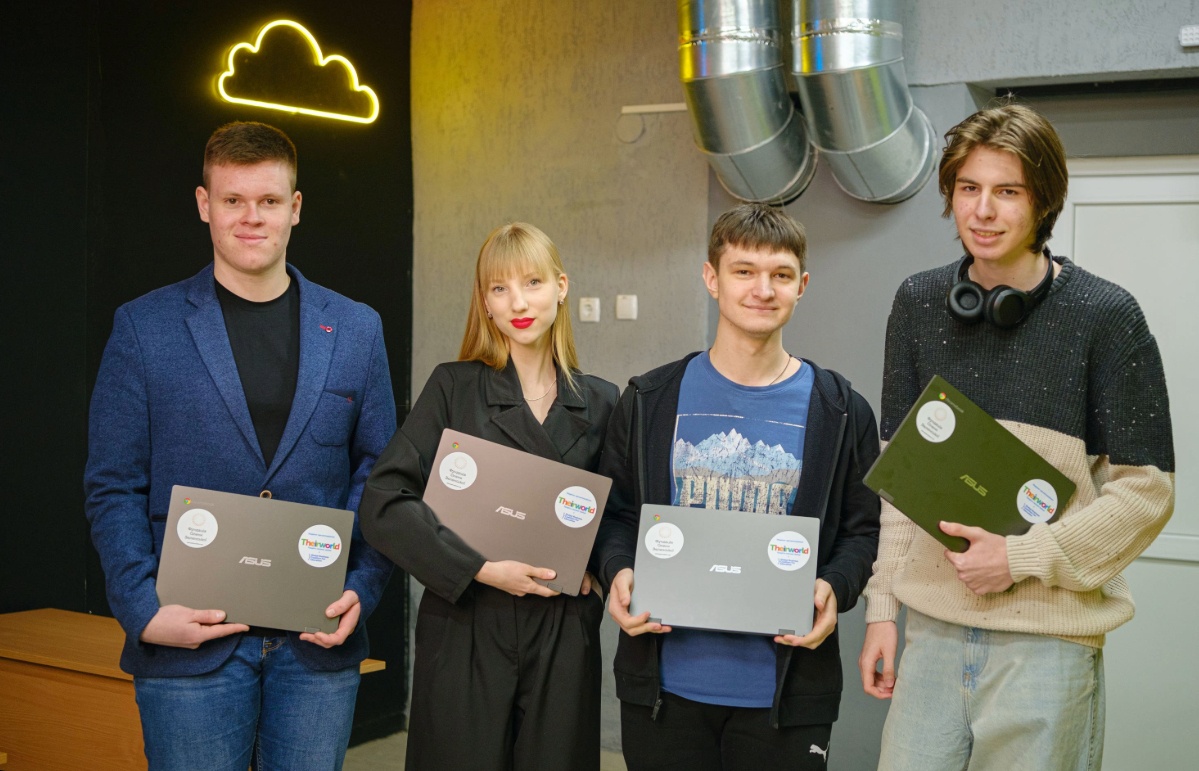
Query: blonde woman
[[507, 671]]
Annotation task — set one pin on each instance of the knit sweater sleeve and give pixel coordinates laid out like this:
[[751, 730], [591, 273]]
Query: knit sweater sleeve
[[1129, 439], [901, 387]]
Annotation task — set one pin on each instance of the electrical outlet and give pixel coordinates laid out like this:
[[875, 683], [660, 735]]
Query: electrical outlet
[[1189, 35], [589, 309]]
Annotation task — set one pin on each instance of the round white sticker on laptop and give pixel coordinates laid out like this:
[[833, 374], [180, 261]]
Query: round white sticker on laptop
[[935, 421], [575, 506], [1036, 501], [197, 528], [789, 550], [664, 540], [458, 471], [320, 546]]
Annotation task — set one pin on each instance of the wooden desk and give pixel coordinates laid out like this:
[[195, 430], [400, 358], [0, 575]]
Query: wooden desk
[[66, 704]]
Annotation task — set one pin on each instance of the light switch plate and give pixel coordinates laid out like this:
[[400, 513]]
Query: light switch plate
[[589, 309]]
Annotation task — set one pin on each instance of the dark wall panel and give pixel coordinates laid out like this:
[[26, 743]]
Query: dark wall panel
[[43, 196], [104, 124]]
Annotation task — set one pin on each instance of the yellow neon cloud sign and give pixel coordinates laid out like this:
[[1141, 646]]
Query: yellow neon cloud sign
[[318, 59]]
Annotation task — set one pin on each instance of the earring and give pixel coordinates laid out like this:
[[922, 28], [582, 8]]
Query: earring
[[561, 302], [488, 314]]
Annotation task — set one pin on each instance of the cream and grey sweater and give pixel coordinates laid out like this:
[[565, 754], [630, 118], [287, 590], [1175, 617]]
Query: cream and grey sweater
[[1081, 382]]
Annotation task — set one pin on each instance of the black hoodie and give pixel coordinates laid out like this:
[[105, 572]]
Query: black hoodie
[[841, 443]]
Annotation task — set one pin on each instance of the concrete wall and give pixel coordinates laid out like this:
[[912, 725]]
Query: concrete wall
[[514, 113], [1025, 41]]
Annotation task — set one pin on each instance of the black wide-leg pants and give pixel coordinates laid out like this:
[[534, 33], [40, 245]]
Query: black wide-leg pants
[[506, 683]]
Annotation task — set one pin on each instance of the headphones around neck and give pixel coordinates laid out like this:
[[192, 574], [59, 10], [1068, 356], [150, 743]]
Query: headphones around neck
[[1003, 306]]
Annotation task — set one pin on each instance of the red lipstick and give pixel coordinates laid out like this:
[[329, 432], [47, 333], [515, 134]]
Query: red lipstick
[[522, 323]]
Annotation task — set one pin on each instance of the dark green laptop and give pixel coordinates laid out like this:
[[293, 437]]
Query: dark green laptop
[[951, 461]]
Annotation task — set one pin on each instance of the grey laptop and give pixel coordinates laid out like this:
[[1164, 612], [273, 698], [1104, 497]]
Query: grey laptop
[[949, 460], [264, 562], [731, 571], [511, 505]]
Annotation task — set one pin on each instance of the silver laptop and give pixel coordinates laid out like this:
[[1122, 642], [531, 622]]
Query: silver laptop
[[265, 562], [512, 505], [730, 571]]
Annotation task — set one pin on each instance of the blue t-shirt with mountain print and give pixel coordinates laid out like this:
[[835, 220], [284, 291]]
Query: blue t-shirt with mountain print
[[736, 448]]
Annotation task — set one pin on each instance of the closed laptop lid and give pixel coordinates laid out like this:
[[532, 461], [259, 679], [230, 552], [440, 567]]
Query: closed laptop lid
[[951, 461], [730, 571], [265, 562], [512, 505]]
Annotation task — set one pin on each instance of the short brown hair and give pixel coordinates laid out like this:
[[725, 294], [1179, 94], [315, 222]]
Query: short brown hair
[[246, 143], [516, 248], [758, 227], [1025, 133]]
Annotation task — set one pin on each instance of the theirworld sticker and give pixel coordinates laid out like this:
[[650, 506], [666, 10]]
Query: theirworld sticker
[[664, 540], [197, 528], [789, 550], [575, 506], [458, 471], [935, 421], [320, 546], [1036, 501]]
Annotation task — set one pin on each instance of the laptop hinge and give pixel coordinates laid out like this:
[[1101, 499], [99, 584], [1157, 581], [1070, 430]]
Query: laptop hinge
[[786, 631]]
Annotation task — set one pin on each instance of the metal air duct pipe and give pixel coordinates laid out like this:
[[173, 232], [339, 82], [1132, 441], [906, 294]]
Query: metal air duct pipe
[[731, 63], [848, 63]]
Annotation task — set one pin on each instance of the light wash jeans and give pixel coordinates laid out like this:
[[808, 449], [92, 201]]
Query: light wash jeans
[[301, 718], [978, 699]]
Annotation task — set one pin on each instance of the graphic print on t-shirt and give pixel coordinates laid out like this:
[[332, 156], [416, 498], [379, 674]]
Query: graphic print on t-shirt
[[746, 467]]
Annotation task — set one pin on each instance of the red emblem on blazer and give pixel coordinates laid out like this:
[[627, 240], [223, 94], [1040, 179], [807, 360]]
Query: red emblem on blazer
[[327, 329]]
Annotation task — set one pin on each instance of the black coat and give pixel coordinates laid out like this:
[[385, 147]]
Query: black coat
[[841, 443], [471, 397]]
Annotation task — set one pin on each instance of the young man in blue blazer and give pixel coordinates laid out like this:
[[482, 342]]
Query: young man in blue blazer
[[245, 378]]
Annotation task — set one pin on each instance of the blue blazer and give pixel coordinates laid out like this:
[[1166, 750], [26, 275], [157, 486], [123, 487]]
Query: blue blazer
[[168, 408]]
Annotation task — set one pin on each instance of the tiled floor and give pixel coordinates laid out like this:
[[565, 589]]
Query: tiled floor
[[388, 755]]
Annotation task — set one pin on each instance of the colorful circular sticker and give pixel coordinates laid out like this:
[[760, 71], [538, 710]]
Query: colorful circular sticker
[[575, 507], [197, 528], [935, 421], [1036, 501], [458, 471], [789, 550], [320, 546], [664, 540]]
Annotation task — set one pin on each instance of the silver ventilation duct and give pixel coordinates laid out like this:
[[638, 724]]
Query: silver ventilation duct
[[730, 58], [848, 63]]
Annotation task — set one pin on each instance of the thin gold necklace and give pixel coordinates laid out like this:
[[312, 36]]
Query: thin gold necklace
[[547, 393]]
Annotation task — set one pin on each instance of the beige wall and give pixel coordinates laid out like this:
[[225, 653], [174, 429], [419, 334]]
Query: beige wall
[[514, 113]]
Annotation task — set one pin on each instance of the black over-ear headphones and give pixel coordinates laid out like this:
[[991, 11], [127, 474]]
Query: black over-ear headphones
[[1003, 306]]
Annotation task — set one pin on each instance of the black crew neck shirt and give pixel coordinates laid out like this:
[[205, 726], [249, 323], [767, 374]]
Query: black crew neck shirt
[[265, 338]]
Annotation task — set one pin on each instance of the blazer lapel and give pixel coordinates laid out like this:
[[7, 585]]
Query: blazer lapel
[[207, 327], [318, 336], [565, 423], [553, 439]]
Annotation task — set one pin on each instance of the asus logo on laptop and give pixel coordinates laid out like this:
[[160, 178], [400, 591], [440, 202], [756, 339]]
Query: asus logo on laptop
[[254, 561], [724, 569], [975, 486], [507, 512]]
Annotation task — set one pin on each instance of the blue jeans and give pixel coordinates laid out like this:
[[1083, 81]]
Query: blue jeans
[[261, 700], [977, 699]]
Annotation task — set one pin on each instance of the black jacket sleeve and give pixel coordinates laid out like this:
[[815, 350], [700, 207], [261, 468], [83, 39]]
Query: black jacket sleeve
[[616, 540], [856, 544], [394, 518]]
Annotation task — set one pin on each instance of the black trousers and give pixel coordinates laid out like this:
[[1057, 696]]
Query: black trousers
[[708, 737], [505, 683]]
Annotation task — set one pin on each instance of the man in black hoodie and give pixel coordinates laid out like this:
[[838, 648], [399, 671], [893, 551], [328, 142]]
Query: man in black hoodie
[[713, 700]]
